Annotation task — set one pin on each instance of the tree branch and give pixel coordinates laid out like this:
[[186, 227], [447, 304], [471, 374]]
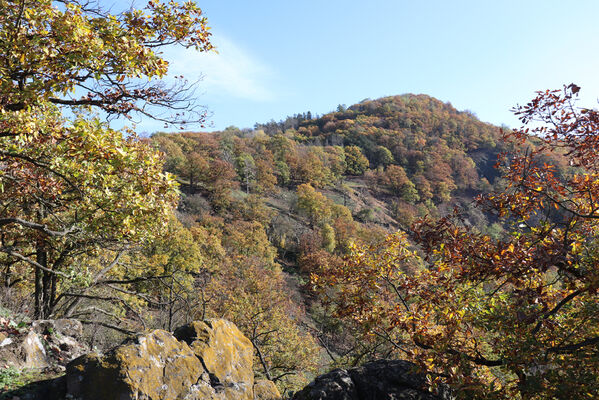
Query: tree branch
[[575, 346], [477, 360], [33, 263], [557, 307], [106, 325], [262, 361], [39, 227]]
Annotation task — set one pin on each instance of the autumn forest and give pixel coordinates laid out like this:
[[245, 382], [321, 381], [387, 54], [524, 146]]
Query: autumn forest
[[396, 228]]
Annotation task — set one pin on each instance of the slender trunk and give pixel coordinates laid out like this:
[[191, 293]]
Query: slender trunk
[[52, 294], [47, 287], [38, 294], [262, 361], [170, 306], [42, 282], [7, 276], [42, 259], [203, 304]]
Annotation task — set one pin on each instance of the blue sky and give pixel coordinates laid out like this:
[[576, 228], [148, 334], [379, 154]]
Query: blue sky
[[276, 58]]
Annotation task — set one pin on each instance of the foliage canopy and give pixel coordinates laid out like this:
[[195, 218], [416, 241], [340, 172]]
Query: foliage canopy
[[71, 186], [514, 317]]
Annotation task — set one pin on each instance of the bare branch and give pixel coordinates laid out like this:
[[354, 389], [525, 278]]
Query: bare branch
[[28, 260], [109, 326], [39, 227]]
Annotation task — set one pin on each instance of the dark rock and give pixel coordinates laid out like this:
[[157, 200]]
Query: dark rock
[[49, 389], [378, 380]]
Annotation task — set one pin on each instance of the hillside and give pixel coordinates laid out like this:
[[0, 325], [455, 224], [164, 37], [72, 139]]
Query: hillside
[[388, 160], [270, 221], [394, 229], [286, 199]]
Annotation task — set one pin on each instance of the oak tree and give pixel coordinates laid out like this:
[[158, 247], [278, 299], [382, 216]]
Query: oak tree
[[70, 185]]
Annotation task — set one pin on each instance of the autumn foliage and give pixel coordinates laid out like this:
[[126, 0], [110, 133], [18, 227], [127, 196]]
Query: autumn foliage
[[285, 229], [70, 186], [514, 317]]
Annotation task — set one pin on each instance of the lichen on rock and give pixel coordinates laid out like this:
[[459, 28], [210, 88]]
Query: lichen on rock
[[266, 390], [204, 360], [226, 354]]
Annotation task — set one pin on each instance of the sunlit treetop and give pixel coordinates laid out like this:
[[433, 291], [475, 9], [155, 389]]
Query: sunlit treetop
[[76, 53]]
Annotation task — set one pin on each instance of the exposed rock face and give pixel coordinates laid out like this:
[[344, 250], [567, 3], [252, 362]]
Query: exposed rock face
[[203, 360], [33, 351], [42, 344], [226, 354], [379, 380], [266, 390], [152, 366]]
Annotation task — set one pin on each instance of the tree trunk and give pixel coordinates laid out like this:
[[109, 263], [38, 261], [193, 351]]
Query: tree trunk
[[42, 259], [47, 287], [170, 306]]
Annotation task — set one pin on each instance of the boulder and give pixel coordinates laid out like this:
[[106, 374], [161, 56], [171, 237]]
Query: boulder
[[266, 390], [34, 352], [226, 354], [150, 366], [62, 339], [378, 380], [208, 360], [40, 345], [58, 327], [203, 360]]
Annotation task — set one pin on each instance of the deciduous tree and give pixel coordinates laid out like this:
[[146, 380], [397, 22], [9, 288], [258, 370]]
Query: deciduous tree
[[508, 317], [71, 186], [356, 162]]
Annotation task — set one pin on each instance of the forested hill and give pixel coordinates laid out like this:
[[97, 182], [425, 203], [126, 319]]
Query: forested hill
[[404, 155], [286, 200], [431, 140], [306, 233], [278, 202]]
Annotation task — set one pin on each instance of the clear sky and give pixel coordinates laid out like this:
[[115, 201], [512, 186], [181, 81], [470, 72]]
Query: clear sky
[[278, 57]]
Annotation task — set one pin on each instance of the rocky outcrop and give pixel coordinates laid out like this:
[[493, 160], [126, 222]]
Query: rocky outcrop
[[379, 380], [40, 344], [225, 353], [201, 361], [205, 360], [266, 390], [151, 366]]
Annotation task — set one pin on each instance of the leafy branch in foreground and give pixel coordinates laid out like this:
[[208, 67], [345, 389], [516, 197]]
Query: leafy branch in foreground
[[71, 187]]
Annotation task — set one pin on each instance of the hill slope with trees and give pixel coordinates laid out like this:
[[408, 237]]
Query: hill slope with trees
[[280, 202], [377, 230]]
